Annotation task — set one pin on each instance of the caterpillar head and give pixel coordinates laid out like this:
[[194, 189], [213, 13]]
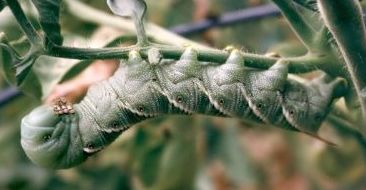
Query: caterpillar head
[[50, 140]]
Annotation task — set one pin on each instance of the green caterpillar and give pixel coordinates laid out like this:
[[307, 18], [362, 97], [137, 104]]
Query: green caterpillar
[[142, 89]]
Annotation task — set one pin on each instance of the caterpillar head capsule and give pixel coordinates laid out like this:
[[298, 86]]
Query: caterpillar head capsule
[[50, 140]]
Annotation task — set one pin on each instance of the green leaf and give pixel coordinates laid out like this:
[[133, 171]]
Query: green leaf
[[31, 83], [49, 15], [127, 8], [179, 155], [146, 149], [148, 162], [24, 66], [36, 81], [135, 9], [8, 57], [235, 159]]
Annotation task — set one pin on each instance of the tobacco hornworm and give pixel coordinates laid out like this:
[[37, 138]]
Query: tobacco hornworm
[[141, 89]]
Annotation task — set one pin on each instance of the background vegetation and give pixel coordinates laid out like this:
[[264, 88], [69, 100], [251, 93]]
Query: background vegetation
[[188, 152]]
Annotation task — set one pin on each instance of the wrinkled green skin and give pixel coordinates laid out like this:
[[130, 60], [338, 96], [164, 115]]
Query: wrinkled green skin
[[140, 90]]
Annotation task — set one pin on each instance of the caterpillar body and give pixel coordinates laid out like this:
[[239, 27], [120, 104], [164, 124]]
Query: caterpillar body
[[140, 89]]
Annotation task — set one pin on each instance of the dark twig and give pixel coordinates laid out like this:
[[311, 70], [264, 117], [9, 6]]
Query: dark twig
[[228, 19], [8, 95]]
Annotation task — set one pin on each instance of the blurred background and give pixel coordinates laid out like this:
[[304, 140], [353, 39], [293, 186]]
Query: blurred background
[[173, 153]]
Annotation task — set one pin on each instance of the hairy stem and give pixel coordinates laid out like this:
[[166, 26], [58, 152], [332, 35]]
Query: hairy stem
[[345, 128], [321, 39], [141, 34], [296, 65], [299, 25], [344, 20], [24, 23]]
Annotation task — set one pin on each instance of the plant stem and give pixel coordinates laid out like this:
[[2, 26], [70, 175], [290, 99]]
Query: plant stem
[[24, 23], [321, 39], [344, 20], [299, 25], [142, 39], [296, 65], [345, 128]]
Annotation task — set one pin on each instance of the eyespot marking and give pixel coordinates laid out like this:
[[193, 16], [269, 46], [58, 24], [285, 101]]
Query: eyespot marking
[[260, 106], [179, 99], [46, 137], [141, 109], [90, 146], [291, 112]]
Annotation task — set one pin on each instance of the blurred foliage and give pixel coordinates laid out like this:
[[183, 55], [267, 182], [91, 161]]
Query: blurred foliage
[[188, 152]]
